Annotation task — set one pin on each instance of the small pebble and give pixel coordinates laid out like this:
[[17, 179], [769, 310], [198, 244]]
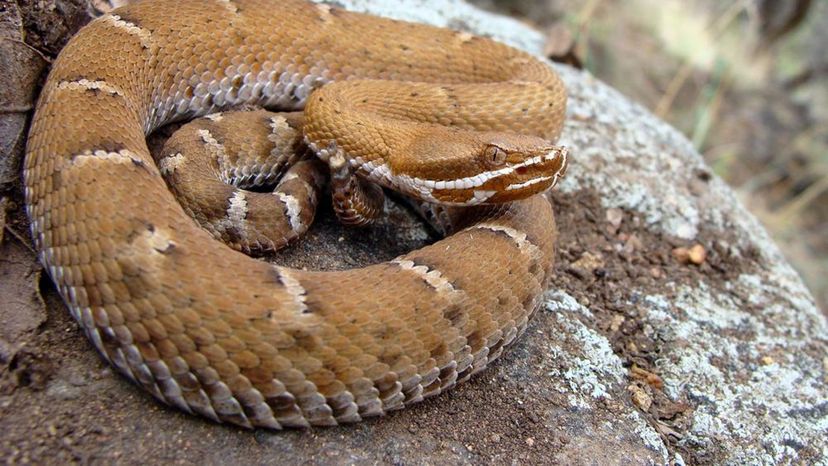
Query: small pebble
[[640, 398]]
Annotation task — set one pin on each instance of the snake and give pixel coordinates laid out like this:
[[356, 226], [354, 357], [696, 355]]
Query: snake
[[452, 120]]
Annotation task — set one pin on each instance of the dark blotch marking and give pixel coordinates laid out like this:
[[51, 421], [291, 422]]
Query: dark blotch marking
[[527, 302], [167, 250], [111, 146], [77, 77], [303, 338], [273, 276], [496, 347], [237, 83], [534, 268], [140, 164], [439, 350], [454, 314], [239, 9], [476, 341], [99, 92], [57, 180], [234, 234]]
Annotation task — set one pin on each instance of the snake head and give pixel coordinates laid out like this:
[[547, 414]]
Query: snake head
[[489, 169]]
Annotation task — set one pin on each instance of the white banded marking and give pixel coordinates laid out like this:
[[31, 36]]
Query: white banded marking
[[524, 245], [216, 149], [463, 36], [433, 277], [228, 5], [324, 12], [171, 163], [235, 217], [278, 125], [540, 179], [142, 34], [282, 135], [88, 85], [237, 211], [293, 210], [123, 156], [293, 288]]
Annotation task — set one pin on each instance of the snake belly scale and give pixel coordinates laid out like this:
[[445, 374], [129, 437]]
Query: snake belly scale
[[213, 332]]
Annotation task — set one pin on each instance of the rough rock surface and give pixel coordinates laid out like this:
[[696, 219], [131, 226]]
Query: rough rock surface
[[642, 355]]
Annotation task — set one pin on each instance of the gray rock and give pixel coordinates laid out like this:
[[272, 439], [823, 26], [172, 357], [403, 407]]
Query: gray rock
[[21, 67]]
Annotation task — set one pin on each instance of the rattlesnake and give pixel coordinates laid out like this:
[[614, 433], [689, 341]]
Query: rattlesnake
[[440, 115]]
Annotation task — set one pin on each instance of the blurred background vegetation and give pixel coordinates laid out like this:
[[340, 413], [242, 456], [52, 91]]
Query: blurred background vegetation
[[745, 80]]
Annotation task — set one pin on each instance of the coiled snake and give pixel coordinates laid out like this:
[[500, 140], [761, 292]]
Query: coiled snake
[[443, 116]]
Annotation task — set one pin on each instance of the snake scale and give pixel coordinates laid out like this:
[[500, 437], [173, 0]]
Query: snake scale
[[443, 116]]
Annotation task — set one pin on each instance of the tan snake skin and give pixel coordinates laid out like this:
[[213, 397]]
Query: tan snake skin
[[211, 331]]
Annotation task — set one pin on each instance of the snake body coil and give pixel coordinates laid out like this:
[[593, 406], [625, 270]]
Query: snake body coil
[[211, 331]]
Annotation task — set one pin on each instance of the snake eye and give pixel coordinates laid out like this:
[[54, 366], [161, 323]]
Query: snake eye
[[495, 155]]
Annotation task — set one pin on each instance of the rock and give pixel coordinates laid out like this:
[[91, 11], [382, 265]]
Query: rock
[[726, 358], [21, 67]]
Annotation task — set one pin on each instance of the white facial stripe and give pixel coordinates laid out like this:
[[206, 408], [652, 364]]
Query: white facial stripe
[[380, 173], [512, 187], [480, 197], [478, 180], [559, 173]]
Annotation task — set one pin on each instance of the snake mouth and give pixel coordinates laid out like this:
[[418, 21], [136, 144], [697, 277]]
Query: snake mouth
[[511, 183]]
